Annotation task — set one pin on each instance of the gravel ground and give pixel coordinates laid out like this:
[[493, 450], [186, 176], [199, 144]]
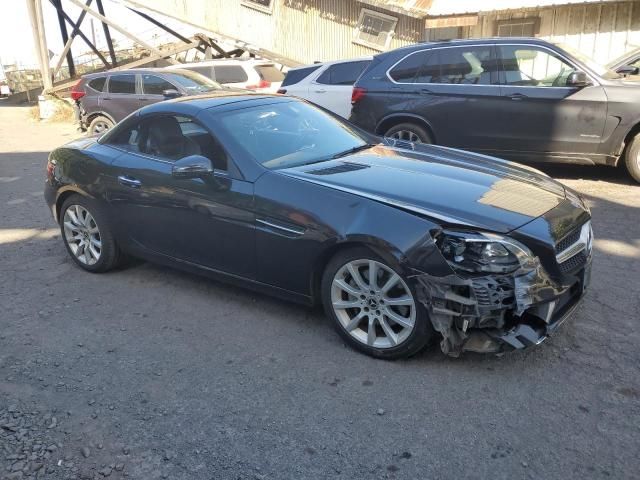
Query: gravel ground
[[151, 373]]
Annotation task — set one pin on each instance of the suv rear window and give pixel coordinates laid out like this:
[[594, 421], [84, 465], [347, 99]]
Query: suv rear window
[[230, 74], [269, 73], [343, 73], [294, 76], [97, 84], [122, 84]]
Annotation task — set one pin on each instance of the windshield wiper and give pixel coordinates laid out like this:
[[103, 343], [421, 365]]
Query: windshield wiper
[[353, 150]]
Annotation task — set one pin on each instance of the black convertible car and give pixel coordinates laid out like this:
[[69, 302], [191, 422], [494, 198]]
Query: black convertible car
[[400, 242]]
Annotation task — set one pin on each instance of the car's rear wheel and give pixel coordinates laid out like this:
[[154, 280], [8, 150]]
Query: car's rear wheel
[[87, 235], [99, 125], [373, 307], [409, 132], [632, 158]]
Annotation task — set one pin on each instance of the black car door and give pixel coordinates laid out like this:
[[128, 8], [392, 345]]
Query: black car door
[[455, 89], [205, 221], [540, 116]]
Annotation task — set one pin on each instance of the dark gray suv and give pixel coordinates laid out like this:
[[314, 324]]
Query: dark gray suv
[[106, 98], [519, 98]]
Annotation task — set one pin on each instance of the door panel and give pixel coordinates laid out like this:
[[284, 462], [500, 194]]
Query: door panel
[[121, 97], [539, 113], [209, 221], [455, 89]]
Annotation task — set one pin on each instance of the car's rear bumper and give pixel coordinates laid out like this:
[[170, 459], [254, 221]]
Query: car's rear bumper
[[50, 198]]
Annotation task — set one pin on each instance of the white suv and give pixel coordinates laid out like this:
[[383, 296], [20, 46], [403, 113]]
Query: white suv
[[257, 75], [326, 84]]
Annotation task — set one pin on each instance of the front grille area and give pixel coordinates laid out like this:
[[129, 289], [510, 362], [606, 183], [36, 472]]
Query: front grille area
[[574, 263], [569, 240]]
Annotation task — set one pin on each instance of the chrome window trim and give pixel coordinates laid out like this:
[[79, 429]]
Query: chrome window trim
[[493, 45]]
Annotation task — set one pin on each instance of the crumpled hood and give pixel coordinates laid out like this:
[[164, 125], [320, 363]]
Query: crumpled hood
[[451, 186]]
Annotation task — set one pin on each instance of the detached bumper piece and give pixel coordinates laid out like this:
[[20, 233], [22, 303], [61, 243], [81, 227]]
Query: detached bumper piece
[[498, 313]]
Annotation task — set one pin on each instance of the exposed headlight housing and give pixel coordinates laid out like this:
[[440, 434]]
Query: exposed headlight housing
[[483, 252]]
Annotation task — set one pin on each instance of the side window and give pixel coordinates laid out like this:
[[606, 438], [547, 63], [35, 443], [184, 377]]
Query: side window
[[206, 71], [533, 67], [172, 137], [97, 84], [122, 83], [294, 76], [464, 65], [154, 85], [126, 137], [407, 70], [342, 73], [230, 74]]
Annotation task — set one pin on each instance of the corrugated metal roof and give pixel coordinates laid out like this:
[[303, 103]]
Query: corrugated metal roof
[[460, 7]]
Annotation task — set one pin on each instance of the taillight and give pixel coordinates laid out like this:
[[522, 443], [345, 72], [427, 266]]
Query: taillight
[[51, 166], [77, 92], [261, 84], [282, 91], [357, 94]]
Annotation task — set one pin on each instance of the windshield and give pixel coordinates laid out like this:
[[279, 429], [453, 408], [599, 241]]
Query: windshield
[[600, 70], [192, 81], [289, 134]]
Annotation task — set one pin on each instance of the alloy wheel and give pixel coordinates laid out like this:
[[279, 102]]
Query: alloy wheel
[[82, 234], [100, 127], [373, 304], [406, 135]]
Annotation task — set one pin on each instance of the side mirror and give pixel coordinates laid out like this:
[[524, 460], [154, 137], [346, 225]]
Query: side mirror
[[171, 93], [578, 80], [628, 70], [193, 166]]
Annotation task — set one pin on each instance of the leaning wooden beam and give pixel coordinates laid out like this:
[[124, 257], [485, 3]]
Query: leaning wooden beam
[[134, 64], [115, 26]]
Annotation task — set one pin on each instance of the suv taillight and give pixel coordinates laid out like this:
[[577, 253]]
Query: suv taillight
[[261, 84], [357, 94], [77, 92]]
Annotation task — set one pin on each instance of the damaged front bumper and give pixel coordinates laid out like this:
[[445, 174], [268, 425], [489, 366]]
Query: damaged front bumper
[[497, 313]]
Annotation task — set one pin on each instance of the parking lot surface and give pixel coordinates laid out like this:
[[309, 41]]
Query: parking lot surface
[[151, 373]]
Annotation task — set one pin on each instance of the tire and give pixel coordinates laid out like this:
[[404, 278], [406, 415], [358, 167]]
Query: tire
[[409, 132], [409, 340], [99, 125], [78, 229], [632, 158]]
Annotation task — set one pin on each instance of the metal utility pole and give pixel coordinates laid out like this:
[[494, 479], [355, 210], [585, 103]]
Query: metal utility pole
[[40, 40], [65, 37], [107, 35]]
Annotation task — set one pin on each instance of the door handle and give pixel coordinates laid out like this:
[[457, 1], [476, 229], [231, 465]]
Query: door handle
[[321, 91], [425, 91], [129, 181], [517, 96]]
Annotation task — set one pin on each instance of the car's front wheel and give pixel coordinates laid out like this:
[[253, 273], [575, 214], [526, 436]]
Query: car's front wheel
[[409, 132], [632, 158], [87, 235], [373, 307]]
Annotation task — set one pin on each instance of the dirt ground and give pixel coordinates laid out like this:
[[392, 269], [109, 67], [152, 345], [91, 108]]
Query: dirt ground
[[150, 373]]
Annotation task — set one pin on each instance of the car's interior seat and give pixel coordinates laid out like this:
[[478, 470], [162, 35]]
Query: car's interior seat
[[166, 140]]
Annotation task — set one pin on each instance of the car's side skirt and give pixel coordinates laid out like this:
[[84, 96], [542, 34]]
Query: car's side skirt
[[219, 275]]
